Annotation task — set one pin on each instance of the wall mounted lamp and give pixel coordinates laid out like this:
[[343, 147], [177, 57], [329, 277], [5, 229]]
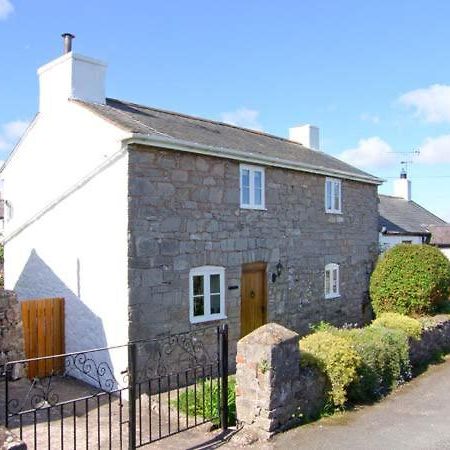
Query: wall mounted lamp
[[279, 270]]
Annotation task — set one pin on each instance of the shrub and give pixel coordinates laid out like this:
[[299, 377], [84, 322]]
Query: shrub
[[322, 326], [412, 327], [410, 279], [334, 356], [384, 355], [203, 401]]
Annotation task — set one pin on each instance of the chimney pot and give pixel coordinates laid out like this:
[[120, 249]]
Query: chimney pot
[[67, 42]]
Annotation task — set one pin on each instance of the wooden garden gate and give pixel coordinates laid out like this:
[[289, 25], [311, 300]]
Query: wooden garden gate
[[43, 327]]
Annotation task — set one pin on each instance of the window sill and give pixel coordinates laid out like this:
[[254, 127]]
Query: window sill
[[257, 208], [332, 296], [211, 318], [332, 211]]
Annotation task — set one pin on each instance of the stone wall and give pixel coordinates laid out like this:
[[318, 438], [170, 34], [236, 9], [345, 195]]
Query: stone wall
[[184, 212], [267, 379], [274, 392], [11, 330], [435, 340]]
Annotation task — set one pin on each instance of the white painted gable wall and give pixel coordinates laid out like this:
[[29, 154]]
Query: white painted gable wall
[[78, 248]]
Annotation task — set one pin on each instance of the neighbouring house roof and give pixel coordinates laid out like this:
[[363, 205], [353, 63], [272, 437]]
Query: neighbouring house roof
[[399, 216], [158, 123], [440, 235]]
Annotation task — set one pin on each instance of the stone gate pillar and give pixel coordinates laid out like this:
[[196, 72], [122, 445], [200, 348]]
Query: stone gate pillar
[[267, 379]]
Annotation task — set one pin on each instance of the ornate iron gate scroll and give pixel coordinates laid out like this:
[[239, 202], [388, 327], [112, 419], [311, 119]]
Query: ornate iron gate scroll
[[172, 384], [177, 383]]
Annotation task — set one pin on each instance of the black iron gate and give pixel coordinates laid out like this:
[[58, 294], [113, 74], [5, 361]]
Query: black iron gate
[[171, 384]]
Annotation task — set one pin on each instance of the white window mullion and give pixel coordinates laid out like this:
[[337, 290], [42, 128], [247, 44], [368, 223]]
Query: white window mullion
[[252, 188], [207, 310]]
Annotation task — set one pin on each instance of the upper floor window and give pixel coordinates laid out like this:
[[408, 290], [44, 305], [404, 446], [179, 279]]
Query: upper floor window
[[252, 187], [206, 294], [333, 201], [332, 280]]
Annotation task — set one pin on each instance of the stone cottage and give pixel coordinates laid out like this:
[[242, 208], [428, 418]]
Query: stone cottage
[[149, 221], [401, 220]]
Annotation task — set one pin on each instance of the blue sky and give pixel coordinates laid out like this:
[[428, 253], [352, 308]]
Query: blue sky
[[374, 76]]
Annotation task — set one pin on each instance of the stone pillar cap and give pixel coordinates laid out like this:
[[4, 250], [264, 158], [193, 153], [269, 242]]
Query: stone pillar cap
[[271, 333]]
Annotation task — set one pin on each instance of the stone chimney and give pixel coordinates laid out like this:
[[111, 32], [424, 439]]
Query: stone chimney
[[70, 76], [307, 135], [402, 186]]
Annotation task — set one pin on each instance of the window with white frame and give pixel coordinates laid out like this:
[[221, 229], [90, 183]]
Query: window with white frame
[[252, 187], [332, 280], [206, 294], [333, 200]]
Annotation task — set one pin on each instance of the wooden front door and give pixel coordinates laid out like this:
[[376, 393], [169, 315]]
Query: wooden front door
[[253, 297]]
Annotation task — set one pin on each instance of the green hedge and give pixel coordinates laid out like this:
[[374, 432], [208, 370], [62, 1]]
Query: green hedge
[[384, 354], [360, 364], [410, 279], [412, 327], [334, 356]]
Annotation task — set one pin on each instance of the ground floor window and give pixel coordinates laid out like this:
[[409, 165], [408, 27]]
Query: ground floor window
[[206, 293], [332, 280]]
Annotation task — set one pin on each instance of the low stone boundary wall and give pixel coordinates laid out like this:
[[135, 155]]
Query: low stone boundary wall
[[274, 392], [435, 339], [11, 329]]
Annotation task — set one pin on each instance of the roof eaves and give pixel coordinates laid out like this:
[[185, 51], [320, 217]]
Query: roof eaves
[[192, 147], [406, 233]]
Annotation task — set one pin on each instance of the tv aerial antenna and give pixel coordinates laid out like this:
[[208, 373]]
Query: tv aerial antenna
[[404, 164]]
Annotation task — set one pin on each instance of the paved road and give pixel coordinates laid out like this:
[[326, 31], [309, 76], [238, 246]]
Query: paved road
[[416, 416]]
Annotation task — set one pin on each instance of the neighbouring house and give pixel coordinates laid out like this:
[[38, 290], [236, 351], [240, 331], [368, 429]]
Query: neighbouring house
[[149, 221], [440, 237], [402, 220]]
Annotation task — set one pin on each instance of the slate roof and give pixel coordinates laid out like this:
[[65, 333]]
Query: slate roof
[[403, 217], [440, 235], [157, 122]]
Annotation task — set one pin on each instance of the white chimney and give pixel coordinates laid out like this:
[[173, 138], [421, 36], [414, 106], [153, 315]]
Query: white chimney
[[307, 135], [71, 76], [402, 187]]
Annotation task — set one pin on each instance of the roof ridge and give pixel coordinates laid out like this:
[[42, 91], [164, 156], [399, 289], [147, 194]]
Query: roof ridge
[[218, 122]]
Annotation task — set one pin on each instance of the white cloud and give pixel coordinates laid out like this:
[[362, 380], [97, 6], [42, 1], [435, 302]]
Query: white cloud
[[243, 117], [10, 133], [372, 152], [6, 8], [435, 150], [370, 118], [431, 104]]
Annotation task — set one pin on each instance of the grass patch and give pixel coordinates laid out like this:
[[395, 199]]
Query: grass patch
[[204, 400]]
